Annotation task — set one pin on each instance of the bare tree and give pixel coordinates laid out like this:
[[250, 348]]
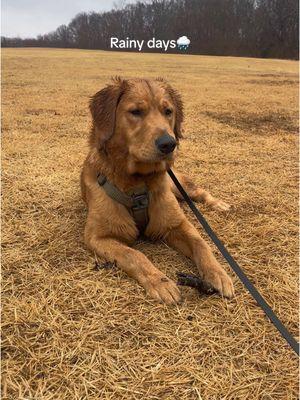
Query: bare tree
[[259, 28]]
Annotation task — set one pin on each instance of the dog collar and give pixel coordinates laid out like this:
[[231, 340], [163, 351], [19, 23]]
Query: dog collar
[[136, 201]]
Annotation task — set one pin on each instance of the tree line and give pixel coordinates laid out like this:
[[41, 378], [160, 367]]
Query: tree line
[[253, 28]]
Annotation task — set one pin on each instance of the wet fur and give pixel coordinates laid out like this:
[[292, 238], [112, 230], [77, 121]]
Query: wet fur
[[122, 148]]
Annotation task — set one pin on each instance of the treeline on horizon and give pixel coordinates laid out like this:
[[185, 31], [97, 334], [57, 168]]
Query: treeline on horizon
[[253, 28]]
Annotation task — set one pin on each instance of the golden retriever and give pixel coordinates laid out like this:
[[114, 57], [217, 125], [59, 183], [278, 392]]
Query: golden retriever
[[136, 128]]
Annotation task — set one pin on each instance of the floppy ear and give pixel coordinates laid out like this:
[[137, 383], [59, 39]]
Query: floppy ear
[[176, 99], [103, 106]]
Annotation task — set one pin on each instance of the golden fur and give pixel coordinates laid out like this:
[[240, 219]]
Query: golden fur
[[122, 147]]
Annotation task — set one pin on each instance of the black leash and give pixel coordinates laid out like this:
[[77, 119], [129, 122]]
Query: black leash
[[237, 269]]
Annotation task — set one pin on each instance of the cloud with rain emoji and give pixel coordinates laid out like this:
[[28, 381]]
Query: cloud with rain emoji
[[183, 42]]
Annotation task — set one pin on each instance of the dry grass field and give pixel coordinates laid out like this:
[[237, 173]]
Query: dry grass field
[[70, 331]]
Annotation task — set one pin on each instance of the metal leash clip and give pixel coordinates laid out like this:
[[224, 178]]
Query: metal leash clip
[[140, 201]]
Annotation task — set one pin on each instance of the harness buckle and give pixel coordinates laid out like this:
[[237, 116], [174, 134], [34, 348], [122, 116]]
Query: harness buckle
[[140, 201]]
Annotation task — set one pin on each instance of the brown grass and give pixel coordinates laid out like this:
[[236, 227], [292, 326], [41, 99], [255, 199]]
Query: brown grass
[[72, 332]]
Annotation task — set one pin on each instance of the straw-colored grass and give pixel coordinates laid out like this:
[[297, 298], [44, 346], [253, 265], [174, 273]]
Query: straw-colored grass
[[72, 332]]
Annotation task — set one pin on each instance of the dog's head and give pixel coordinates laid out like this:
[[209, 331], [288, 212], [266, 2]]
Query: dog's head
[[141, 117]]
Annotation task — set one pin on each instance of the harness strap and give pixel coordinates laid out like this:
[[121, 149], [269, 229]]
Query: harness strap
[[136, 202]]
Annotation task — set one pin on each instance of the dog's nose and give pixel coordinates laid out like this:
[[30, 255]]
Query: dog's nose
[[165, 143]]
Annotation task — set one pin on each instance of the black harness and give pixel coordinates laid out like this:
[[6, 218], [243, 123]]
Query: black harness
[[136, 201]]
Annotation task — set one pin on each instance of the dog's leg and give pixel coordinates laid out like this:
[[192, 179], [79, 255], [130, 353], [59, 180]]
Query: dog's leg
[[197, 193], [186, 239], [137, 266]]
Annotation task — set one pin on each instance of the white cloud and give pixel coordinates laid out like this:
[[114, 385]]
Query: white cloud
[[183, 41]]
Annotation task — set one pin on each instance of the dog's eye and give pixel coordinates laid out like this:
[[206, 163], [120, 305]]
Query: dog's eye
[[136, 112], [168, 111]]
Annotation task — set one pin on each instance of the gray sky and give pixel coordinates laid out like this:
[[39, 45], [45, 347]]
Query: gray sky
[[28, 18]]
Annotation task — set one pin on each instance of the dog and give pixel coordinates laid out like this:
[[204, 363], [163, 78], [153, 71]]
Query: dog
[[136, 129]]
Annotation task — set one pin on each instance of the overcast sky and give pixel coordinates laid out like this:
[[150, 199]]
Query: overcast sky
[[28, 18]]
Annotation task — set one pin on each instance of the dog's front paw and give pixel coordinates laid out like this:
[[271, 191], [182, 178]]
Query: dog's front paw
[[219, 280], [219, 205], [163, 289]]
